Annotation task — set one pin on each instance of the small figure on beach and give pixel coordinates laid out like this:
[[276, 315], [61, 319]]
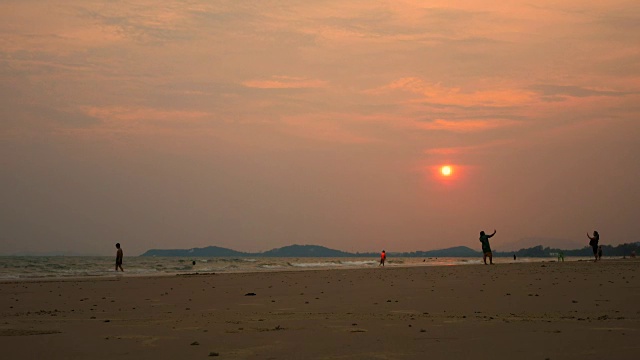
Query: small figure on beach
[[593, 242], [486, 248], [514, 256], [633, 254], [383, 258], [599, 252], [560, 256], [119, 258]]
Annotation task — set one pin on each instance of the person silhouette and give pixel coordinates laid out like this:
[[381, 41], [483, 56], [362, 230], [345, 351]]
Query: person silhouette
[[486, 247], [119, 257], [383, 258], [593, 242]]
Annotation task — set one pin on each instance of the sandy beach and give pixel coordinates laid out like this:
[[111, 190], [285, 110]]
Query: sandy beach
[[571, 310]]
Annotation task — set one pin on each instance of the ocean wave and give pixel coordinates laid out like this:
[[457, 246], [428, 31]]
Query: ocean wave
[[316, 264], [270, 266], [359, 263]]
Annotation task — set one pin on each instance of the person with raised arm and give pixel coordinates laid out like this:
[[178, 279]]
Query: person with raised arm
[[593, 242], [486, 247]]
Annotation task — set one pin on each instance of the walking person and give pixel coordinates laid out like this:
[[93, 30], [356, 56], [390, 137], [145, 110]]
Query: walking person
[[383, 258], [486, 247], [119, 258]]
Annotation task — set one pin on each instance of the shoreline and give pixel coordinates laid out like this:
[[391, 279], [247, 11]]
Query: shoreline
[[114, 276]]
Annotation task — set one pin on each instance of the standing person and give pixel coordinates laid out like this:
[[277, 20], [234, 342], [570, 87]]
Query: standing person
[[486, 248], [599, 252], [119, 258], [593, 242], [383, 257]]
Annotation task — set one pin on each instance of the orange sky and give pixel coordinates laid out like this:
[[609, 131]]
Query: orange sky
[[180, 124]]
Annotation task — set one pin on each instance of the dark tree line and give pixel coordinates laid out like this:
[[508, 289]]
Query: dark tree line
[[607, 250]]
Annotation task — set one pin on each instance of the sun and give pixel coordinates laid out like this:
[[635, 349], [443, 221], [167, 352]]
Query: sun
[[446, 170]]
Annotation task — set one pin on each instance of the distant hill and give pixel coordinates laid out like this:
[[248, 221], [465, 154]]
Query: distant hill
[[531, 242], [305, 251], [457, 251], [607, 250], [209, 251]]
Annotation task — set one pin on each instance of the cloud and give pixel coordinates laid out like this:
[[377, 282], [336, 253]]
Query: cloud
[[148, 23], [465, 125], [467, 149], [552, 92], [325, 128], [285, 82], [438, 94], [121, 119]]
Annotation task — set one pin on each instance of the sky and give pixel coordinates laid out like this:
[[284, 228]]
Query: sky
[[259, 124]]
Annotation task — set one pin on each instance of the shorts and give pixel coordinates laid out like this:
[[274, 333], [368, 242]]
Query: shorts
[[118, 263], [595, 249], [488, 253]]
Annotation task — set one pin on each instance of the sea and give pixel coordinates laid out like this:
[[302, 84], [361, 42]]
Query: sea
[[56, 267], [18, 268]]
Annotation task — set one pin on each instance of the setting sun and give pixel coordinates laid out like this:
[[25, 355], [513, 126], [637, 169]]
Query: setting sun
[[446, 170]]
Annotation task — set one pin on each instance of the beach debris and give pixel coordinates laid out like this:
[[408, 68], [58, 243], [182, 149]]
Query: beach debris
[[107, 321], [195, 343], [250, 294], [213, 353]]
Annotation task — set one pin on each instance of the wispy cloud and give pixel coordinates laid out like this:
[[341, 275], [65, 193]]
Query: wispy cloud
[[436, 93], [285, 82], [132, 119], [467, 149], [465, 125], [551, 92], [325, 128]]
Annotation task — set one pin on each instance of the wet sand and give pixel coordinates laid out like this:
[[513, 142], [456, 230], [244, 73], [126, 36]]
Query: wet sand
[[571, 310]]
